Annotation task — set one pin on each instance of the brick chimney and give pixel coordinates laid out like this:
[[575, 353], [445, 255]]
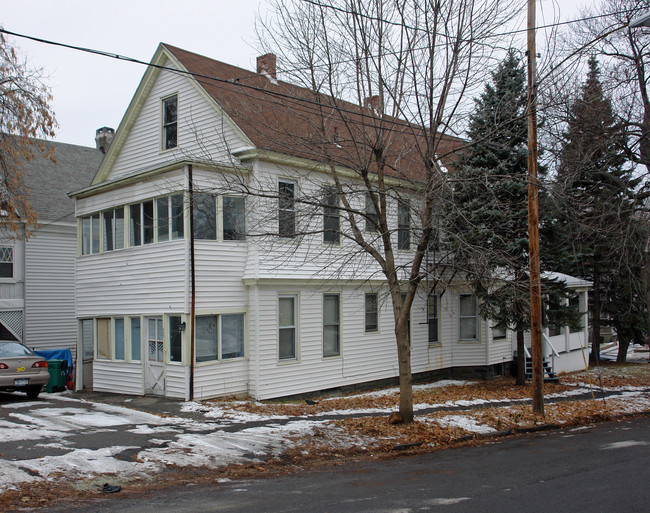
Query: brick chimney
[[266, 65], [103, 138]]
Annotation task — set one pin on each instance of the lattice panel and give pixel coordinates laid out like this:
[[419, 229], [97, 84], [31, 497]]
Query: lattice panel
[[13, 321]]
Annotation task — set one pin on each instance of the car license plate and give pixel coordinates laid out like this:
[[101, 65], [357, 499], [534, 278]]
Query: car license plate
[[21, 382]]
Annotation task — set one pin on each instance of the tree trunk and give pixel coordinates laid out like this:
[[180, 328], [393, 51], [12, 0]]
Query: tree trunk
[[624, 339], [595, 321], [521, 359], [405, 376]]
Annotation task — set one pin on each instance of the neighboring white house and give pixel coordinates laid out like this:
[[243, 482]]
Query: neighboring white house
[[37, 294], [271, 318]]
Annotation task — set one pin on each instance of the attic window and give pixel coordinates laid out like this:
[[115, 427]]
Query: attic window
[[170, 122]]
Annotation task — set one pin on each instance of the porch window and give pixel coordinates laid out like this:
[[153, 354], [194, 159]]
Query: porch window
[[103, 339], [170, 122], [433, 319], [113, 224], [119, 338], [404, 224], [6, 262], [205, 216], [234, 218], [331, 221], [287, 327], [232, 336], [207, 347], [468, 317], [219, 337], [169, 218], [135, 339], [90, 234], [286, 209], [371, 313], [331, 325]]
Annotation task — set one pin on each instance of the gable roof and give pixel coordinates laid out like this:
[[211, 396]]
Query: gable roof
[[290, 119], [47, 183]]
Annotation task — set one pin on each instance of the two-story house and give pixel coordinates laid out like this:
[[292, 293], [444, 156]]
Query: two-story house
[[190, 286]]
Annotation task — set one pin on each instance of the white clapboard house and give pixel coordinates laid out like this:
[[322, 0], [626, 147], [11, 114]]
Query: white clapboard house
[[37, 293], [180, 294]]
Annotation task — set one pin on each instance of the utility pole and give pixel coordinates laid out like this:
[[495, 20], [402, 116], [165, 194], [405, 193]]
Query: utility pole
[[533, 221]]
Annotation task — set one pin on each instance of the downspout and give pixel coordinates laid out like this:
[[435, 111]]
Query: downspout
[[193, 280]]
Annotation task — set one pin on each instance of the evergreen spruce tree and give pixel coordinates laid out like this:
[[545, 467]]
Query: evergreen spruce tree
[[489, 229], [597, 213]]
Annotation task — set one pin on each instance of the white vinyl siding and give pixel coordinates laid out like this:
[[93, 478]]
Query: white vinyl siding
[[141, 149], [49, 281]]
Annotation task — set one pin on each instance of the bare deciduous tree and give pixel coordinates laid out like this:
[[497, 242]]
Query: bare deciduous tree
[[383, 85], [25, 114]]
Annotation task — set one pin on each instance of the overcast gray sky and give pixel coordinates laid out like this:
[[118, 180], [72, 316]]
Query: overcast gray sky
[[91, 91]]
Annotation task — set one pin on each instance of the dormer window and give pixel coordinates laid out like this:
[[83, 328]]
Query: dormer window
[[170, 122]]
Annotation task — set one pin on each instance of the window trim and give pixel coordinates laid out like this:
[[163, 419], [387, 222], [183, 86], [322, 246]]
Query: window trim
[[337, 353]]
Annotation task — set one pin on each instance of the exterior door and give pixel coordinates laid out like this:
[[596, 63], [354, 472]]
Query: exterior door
[[154, 380]]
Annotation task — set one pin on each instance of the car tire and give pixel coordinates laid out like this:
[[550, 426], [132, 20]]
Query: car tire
[[32, 392]]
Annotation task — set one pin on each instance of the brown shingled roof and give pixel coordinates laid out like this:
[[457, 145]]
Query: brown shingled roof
[[291, 120]]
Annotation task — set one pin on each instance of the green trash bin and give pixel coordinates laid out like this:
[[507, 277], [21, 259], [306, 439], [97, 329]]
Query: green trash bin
[[58, 370]]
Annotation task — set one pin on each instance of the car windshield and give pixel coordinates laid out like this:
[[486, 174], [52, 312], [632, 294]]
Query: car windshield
[[13, 349]]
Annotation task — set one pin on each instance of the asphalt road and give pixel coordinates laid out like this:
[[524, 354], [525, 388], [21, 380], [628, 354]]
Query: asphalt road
[[603, 468]]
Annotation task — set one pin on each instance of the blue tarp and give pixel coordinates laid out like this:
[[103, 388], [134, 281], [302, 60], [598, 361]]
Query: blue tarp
[[57, 354]]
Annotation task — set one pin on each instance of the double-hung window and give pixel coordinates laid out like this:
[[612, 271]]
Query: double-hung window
[[234, 218], [170, 122], [372, 220], [404, 224], [286, 209], [371, 312], [331, 221], [205, 216], [287, 327], [468, 317], [331, 325], [6, 262], [433, 319]]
